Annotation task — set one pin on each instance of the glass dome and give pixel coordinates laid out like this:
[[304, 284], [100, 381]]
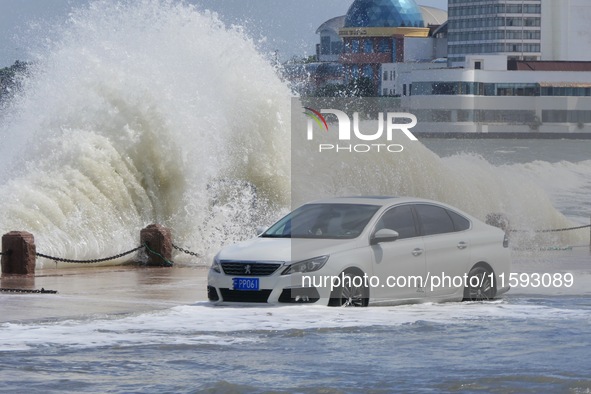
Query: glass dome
[[384, 13]]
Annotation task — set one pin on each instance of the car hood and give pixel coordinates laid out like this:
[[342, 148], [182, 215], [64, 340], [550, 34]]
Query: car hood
[[285, 249]]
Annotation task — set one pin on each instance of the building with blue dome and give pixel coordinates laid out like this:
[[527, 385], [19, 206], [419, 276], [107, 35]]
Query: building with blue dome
[[366, 17], [384, 13], [376, 32]]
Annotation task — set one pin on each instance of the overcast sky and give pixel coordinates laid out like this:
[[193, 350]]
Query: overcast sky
[[288, 25]]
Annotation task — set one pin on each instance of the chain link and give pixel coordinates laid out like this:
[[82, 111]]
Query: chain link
[[186, 251], [552, 230], [42, 291], [56, 259]]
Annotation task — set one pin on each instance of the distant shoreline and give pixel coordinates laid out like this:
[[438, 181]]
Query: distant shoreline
[[507, 135]]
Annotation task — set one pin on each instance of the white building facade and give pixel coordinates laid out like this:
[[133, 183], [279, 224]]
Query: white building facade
[[496, 99], [566, 30]]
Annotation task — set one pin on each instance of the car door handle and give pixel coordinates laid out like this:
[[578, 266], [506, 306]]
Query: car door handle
[[462, 245], [417, 252]]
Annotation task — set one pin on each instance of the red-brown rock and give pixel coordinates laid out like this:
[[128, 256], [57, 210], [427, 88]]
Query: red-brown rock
[[18, 253], [158, 240]]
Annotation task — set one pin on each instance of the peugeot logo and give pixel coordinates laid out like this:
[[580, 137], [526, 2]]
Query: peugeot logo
[[247, 269]]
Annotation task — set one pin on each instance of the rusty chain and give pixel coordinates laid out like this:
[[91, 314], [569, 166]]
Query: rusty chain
[[186, 251], [28, 291], [551, 230], [63, 260]]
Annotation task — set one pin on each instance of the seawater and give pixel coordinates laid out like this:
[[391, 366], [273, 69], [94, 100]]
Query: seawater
[[151, 111], [522, 343]]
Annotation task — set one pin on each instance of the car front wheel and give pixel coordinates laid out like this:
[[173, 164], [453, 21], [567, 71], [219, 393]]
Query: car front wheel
[[350, 292], [480, 286]]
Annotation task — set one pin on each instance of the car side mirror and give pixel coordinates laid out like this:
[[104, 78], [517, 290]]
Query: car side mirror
[[260, 230], [384, 235]]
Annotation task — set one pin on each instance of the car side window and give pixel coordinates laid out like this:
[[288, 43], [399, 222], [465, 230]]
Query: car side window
[[460, 222], [399, 219], [434, 220]]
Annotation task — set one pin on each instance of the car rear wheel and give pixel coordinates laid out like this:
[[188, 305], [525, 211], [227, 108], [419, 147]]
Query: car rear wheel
[[351, 292], [480, 286]]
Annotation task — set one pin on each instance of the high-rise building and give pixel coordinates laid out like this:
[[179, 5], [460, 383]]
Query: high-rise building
[[484, 27], [553, 30]]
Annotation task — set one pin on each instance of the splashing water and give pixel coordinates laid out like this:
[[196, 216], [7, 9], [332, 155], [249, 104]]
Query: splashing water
[[144, 112]]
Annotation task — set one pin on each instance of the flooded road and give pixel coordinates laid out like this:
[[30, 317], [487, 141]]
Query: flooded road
[[101, 290]]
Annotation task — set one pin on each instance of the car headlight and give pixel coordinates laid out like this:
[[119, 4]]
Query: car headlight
[[215, 266], [309, 265]]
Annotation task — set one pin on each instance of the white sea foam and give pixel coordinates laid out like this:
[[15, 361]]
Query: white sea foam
[[204, 324]]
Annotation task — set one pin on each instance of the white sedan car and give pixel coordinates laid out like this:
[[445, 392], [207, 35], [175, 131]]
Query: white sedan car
[[358, 251]]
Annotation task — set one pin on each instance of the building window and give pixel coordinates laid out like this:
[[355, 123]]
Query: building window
[[336, 47], [324, 45], [355, 46], [578, 116], [531, 34], [564, 91], [465, 115], [554, 116], [513, 47], [436, 115], [532, 9], [385, 75], [531, 48], [478, 65], [495, 116], [444, 88], [368, 46], [368, 71], [486, 89], [513, 9]]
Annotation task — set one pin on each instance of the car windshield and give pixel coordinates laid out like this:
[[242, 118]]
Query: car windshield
[[323, 221]]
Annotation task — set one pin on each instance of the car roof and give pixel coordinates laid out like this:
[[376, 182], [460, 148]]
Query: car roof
[[373, 200]]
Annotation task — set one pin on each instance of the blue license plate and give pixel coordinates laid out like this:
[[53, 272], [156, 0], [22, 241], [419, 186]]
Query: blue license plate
[[246, 284]]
